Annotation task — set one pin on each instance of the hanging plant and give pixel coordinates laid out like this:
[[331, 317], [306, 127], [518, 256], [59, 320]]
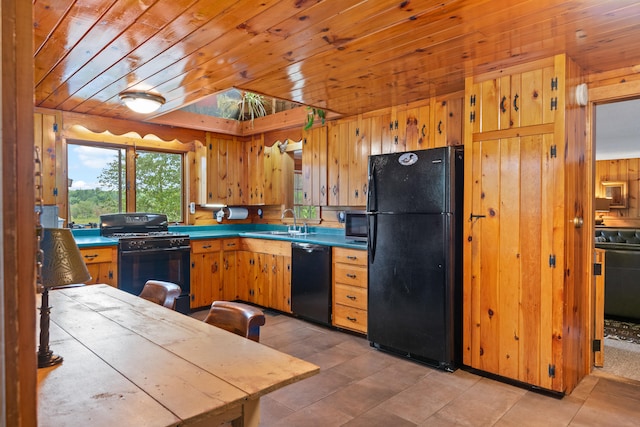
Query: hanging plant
[[252, 105], [312, 113]]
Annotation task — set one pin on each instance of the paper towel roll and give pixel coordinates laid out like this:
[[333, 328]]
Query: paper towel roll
[[237, 213]]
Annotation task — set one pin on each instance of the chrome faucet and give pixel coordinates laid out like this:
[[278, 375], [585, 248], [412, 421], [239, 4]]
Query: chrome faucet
[[293, 214]]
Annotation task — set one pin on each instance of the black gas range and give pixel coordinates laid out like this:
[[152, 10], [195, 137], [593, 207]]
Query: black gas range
[[148, 250]]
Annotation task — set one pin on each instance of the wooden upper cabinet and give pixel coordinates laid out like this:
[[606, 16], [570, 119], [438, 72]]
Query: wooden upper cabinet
[[525, 98], [418, 128], [338, 163], [52, 159], [359, 149], [314, 167], [447, 121], [349, 147], [254, 149], [278, 177], [221, 169]]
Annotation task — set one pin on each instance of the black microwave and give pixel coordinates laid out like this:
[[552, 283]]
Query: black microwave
[[356, 226]]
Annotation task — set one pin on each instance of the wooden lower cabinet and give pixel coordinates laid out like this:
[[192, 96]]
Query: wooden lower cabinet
[[102, 263], [206, 267], [350, 289], [280, 283], [264, 273], [229, 269]]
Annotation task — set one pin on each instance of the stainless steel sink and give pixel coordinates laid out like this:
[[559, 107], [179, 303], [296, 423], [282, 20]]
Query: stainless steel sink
[[282, 233], [275, 233]]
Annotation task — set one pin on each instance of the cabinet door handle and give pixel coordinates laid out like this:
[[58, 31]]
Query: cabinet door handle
[[214, 267], [502, 107], [322, 191], [424, 130], [351, 276], [515, 102], [440, 127]]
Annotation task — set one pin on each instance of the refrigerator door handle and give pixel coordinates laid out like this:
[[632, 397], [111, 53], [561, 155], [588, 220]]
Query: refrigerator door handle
[[373, 234], [372, 199]]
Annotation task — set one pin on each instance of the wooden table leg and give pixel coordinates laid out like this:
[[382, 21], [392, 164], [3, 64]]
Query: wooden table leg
[[250, 414]]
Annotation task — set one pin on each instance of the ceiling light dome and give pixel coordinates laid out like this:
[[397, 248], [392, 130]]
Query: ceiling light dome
[[142, 102]]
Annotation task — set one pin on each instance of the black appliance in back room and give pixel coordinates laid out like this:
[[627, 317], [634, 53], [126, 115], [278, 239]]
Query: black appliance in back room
[[414, 212]]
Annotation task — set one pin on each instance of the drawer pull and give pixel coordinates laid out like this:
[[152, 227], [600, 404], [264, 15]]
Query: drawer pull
[[351, 257], [206, 246], [351, 276], [230, 244], [91, 256], [352, 319], [351, 297]]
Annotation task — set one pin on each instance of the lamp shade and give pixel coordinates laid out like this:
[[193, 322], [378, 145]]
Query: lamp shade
[[142, 102], [62, 263], [602, 204]]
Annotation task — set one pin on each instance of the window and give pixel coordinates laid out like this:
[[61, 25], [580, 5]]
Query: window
[[301, 210], [159, 183], [98, 183]]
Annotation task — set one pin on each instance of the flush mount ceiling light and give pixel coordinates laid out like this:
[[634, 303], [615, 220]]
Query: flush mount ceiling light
[[142, 102]]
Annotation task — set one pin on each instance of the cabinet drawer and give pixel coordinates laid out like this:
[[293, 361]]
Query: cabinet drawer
[[97, 255], [350, 275], [202, 246], [350, 256], [350, 318], [231, 244], [351, 296]]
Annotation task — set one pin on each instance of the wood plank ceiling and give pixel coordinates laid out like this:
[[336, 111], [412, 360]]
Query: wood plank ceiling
[[347, 56]]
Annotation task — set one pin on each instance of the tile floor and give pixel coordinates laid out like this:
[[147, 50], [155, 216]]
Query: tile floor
[[360, 386]]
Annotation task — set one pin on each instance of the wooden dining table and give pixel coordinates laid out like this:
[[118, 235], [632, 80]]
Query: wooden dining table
[[129, 362]]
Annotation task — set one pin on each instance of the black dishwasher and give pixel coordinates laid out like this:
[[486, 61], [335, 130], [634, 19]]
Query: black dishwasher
[[311, 282]]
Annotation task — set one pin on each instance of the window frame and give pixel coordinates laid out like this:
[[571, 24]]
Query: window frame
[[130, 169]]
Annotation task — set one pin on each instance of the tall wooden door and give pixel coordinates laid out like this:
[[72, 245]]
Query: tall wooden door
[[515, 249], [526, 298]]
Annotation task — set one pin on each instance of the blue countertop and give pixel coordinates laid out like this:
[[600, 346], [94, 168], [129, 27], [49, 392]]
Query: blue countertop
[[318, 235]]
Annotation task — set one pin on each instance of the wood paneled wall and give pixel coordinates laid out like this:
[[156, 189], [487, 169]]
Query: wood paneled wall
[[626, 170], [18, 239]]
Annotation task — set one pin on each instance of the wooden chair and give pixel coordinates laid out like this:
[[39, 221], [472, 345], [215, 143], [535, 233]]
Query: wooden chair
[[163, 293], [241, 319]]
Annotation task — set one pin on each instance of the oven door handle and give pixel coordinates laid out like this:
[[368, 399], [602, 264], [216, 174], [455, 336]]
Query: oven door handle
[[154, 251]]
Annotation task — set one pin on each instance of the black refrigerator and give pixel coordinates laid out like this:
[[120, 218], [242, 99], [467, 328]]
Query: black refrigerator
[[414, 213]]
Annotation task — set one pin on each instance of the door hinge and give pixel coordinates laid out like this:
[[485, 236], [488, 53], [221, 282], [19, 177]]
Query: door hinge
[[55, 192], [472, 117], [55, 127], [596, 345], [597, 269], [554, 103], [472, 100], [552, 261], [553, 151], [552, 371], [357, 131], [554, 83], [210, 147]]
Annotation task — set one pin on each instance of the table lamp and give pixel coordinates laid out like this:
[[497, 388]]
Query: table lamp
[[602, 206], [62, 265]]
